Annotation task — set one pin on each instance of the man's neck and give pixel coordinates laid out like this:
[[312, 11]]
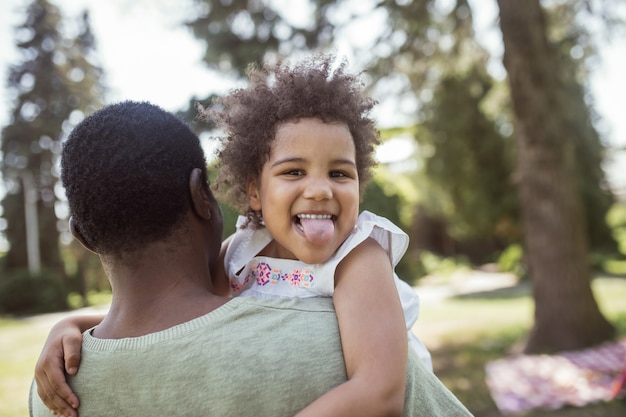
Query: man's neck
[[156, 295]]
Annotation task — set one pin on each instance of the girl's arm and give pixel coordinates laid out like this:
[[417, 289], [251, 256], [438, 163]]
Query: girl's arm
[[62, 352], [373, 337]]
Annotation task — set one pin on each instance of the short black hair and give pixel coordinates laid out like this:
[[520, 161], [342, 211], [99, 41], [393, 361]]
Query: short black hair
[[318, 86], [125, 170]]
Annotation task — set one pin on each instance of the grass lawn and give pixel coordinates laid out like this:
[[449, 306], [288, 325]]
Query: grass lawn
[[463, 334], [21, 341], [21, 344]]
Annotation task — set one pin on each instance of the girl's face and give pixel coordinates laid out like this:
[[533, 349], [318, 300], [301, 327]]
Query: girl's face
[[308, 190]]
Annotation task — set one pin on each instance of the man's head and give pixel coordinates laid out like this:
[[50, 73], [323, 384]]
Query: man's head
[[126, 172]]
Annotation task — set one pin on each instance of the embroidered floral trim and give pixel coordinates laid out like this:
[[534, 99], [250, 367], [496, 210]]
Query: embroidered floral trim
[[236, 286], [263, 274]]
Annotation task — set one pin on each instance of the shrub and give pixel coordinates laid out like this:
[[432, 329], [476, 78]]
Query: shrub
[[22, 293], [512, 260]]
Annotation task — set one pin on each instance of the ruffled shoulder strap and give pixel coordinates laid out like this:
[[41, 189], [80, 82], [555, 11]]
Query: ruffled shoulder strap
[[244, 245], [392, 239]]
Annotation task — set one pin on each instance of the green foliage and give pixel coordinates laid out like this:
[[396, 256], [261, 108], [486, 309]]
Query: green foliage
[[22, 293], [381, 202], [441, 265], [608, 262], [616, 219], [470, 163], [240, 32], [614, 266], [512, 260], [95, 298], [230, 219], [384, 198], [229, 214]]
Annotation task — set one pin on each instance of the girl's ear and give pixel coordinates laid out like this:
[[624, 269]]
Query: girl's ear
[[254, 196], [79, 237]]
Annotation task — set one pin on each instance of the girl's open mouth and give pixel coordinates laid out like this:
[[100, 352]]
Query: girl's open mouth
[[317, 228]]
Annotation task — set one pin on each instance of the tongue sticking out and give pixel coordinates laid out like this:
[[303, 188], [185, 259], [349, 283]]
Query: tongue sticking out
[[318, 231]]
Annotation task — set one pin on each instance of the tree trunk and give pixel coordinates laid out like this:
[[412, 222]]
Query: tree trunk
[[17, 256], [32, 223], [566, 314]]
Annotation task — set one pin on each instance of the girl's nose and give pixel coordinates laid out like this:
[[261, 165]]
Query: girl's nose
[[318, 189]]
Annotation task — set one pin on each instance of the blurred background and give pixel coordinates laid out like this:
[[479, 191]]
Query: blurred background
[[503, 150]]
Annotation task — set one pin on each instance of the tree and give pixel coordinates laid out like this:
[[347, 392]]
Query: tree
[[54, 84], [555, 240]]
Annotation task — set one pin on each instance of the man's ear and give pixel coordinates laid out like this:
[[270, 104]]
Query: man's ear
[[79, 237], [254, 196], [201, 197]]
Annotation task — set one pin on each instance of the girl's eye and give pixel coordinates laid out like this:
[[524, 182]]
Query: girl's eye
[[294, 172], [338, 174]]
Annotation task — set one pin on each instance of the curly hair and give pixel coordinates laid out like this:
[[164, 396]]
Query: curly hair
[[125, 170], [249, 117]]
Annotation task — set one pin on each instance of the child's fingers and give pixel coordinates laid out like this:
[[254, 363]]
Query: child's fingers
[[71, 353], [56, 404], [56, 394], [52, 386]]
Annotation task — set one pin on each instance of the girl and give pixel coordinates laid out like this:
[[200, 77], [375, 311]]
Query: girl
[[296, 154], [295, 157]]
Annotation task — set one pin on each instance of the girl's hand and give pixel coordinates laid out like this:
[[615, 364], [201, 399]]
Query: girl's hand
[[61, 355]]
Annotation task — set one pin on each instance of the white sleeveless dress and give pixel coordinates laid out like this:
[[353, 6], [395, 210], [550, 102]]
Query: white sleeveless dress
[[262, 276]]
